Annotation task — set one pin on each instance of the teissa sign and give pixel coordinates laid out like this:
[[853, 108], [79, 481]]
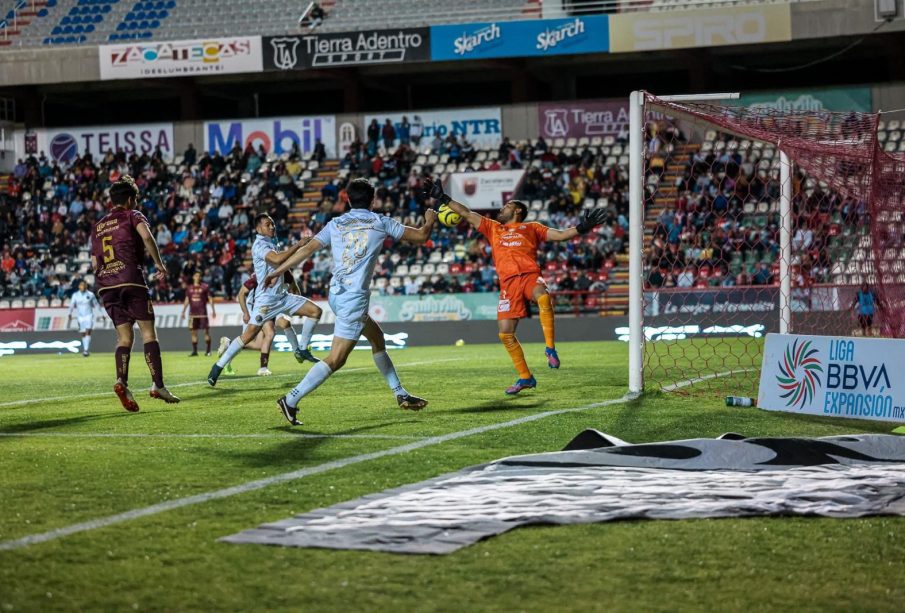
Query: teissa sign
[[833, 376]]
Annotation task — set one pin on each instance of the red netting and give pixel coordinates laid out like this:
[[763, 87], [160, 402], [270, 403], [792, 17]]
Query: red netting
[[713, 219]]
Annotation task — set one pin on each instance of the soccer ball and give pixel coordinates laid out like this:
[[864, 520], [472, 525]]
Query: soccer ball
[[448, 217]]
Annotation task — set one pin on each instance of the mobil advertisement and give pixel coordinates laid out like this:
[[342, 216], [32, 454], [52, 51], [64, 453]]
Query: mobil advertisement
[[488, 189], [728, 25], [64, 144], [328, 49], [577, 119], [480, 126], [526, 38], [813, 100], [833, 376], [277, 135], [154, 59]]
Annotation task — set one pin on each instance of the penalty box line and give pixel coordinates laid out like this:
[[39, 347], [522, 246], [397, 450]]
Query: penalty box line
[[16, 403], [258, 484]]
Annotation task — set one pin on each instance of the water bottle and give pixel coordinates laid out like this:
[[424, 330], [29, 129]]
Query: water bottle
[[739, 401]]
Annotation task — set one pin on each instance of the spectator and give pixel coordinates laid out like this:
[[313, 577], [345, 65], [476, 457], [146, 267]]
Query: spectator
[[320, 152], [373, 133], [389, 134], [404, 131], [190, 156], [416, 130]]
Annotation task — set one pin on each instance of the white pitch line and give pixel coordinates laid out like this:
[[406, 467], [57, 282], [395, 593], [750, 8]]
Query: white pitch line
[[251, 486], [214, 436], [674, 386], [16, 403]]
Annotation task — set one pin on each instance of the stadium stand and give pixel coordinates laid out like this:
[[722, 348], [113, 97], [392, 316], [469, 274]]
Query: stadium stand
[[23, 13], [200, 207], [96, 22]]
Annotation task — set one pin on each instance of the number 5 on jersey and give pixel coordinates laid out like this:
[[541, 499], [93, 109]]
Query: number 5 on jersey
[[107, 244]]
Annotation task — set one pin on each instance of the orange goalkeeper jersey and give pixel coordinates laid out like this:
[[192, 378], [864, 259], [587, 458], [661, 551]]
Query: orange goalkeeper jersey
[[514, 246]]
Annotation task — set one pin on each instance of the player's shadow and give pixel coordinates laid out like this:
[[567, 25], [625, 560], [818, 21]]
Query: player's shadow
[[502, 405], [47, 424], [289, 452]]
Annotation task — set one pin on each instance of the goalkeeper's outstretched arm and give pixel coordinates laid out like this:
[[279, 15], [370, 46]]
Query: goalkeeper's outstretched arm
[[589, 221], [433, 189]]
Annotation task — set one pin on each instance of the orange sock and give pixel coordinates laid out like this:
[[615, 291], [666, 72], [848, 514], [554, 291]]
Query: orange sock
[[515, 352], [545, 306]]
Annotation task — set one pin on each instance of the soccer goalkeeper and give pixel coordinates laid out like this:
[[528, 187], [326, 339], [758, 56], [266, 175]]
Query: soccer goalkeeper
[[514, 244]]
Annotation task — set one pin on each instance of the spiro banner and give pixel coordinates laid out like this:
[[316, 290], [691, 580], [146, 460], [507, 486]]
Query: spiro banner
[[181, 58], [744, 25], [278, 135], [325, 50], [833, 376], [64, 144], [527, 38], [487, 189], [577, 119], [481, 126], [846, 99]]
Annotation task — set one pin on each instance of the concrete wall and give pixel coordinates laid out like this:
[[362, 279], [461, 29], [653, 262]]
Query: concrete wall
[[49, 65], [830, 18]]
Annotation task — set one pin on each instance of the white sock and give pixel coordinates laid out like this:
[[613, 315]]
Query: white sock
[[307, 331], [386, 368], [234, 347], [292, 338], [86, 342], [317, 375]]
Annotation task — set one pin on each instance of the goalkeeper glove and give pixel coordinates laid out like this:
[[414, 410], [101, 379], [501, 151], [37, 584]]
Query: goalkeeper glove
[[434, 189], [590, 220]]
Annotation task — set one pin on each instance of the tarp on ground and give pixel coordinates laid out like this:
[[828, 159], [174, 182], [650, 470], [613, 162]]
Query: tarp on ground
[[600, 478]]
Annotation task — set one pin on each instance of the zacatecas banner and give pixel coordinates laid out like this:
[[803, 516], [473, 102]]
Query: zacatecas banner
[[526, 38], [833, 376], [277, 135], [481, 126], [64, 144], [181, 58], [488, 189], [575, 119], [325, 50], [744, 25], [846, 99]]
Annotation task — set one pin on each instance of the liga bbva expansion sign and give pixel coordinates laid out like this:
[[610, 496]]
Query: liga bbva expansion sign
[[833, 376]]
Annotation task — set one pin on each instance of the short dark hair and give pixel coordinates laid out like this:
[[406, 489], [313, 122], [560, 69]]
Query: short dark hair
[[361, 193], [260, 217], [521, 206], [122, 190]]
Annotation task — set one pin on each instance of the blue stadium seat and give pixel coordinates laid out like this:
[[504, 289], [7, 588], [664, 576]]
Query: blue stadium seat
[[154, 25]]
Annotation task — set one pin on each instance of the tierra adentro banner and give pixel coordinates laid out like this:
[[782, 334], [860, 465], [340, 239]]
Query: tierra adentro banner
[[833, 376], [331, 49]]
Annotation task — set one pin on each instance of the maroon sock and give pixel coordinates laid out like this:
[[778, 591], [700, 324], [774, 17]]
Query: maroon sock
[[155, 365], [265, 357], [122, 364], [208, 341], [195, 347]]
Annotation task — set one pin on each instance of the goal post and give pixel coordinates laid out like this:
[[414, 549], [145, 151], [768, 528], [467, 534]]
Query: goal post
[[748, 220]]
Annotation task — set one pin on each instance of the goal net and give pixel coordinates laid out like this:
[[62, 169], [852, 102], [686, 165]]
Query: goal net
[[760, 220]]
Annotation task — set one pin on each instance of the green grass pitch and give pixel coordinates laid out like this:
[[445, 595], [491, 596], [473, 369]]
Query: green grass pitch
[[71, 454]]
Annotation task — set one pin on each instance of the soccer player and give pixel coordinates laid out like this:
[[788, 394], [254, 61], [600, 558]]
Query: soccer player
[[866, 304], [514, 243], [197, 297], [119, 242], [356, 239], [271, 302], [264, 339], [83, 303]]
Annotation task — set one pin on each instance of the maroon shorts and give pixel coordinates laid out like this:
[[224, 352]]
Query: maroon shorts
[[199, 322], [127, 304]]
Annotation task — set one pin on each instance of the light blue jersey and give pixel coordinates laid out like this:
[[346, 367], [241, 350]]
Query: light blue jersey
[[266, 295], [82, 304], [355, 240]]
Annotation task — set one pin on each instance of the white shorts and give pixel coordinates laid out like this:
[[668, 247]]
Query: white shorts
[[351, 311], [286, 317], [86, 323], [286, 306]]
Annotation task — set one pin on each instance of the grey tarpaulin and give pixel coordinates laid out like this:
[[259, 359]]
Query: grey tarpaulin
[[601, 478]]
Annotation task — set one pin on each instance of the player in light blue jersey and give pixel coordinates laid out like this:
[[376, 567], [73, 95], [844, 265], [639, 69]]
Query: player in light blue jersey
[[83, 304], [271, 302], [355, 239]]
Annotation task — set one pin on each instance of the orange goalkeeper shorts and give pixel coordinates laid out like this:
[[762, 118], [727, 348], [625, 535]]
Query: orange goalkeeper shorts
[[515, 293]]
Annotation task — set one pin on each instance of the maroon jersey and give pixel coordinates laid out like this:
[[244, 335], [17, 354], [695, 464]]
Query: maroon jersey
[[199, 296], [118, 250]]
